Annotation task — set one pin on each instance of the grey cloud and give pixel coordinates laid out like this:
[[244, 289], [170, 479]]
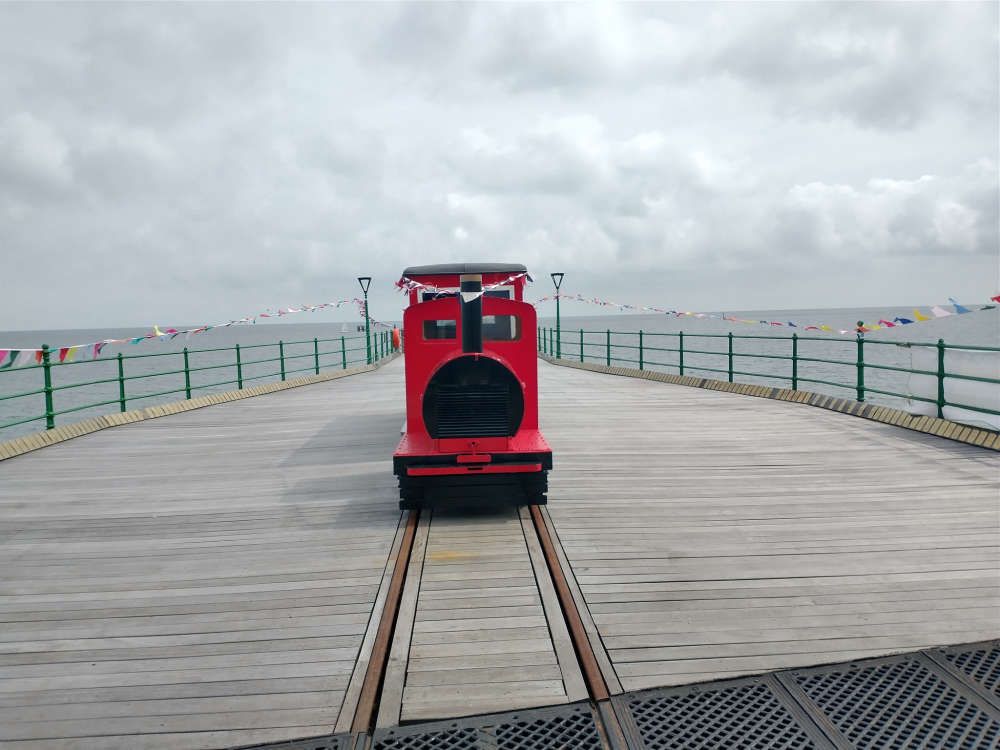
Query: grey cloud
[[218, 158], [882, 65]]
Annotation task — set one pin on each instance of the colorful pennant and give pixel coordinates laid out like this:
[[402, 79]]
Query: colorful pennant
[[19, 357], [936, 311]]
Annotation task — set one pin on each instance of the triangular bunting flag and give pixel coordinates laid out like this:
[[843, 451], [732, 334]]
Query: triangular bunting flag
[[958, 308]]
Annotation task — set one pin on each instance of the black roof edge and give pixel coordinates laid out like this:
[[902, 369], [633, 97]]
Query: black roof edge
[[442, 269]]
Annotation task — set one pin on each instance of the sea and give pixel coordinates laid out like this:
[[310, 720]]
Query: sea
[[90, 387]]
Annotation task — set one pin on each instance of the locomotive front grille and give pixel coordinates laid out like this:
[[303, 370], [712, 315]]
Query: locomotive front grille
[[473, 396], [473, 411]]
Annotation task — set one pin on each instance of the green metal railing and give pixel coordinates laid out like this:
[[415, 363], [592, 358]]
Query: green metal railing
[[292, 357], [602, 347]]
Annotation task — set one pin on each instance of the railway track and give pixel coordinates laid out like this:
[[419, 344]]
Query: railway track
[[483, 641], [481, 615]]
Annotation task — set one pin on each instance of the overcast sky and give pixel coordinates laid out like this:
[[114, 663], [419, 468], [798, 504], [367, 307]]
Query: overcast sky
[[181, 164]]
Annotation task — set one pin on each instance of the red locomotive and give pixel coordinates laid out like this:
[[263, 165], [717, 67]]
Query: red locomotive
[[471, 388]]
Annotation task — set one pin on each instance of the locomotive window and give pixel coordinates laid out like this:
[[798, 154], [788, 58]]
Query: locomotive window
[[439, 329], [501, 328], [431, 296]]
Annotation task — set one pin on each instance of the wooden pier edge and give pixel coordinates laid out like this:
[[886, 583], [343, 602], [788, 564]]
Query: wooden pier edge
[[963, 433], [36, 440]]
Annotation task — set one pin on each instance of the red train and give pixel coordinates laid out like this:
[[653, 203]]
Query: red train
[[471, 388]]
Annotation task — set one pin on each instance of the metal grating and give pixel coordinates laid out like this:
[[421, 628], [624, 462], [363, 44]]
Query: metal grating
[[559, 731], [736, 715], [981, 665], [898, 703], [437, 739], [326, 742], [561, 728], [472, 411]]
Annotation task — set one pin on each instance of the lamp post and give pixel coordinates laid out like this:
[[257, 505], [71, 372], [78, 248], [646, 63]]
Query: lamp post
[[365, 282], [557, 280]]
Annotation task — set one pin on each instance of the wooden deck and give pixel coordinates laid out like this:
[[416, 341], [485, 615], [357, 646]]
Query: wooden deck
[[201, 580], [713, 534], [482, 630], [208, 579]]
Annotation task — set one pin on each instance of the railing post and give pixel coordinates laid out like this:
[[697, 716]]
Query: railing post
[[239, 369], [121, 382], [343, 353], [680, 353], [581, 345], [316, 355], [795, 361], [641, 365], [730, 337], [187, 375], [281, 358], [608, 349], [940, 377], [861, 363], [552, 347], [50, 416]]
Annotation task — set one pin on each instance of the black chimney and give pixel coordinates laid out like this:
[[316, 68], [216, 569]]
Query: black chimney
[[472, 312]]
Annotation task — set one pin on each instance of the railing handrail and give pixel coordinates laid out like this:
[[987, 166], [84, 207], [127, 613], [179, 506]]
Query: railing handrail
[[788, 337], [637, 350], [381, 342]]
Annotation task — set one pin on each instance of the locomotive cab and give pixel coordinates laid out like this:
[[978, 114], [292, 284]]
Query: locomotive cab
[[471, 388]]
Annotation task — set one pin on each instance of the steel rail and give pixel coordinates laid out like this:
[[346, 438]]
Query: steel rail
[[371, 688], [596, 685], [366, 712]]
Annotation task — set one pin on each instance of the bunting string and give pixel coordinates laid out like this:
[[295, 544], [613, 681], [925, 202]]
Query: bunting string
[[11, 358], [918, 317], [407, 285]]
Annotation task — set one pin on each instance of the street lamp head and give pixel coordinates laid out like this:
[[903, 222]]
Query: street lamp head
[[365, 281], [557, 279]]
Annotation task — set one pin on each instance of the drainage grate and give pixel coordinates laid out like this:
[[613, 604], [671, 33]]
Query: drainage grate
[[898, 703], [549, 731], [326, 742], [561, 728], [736, 714], [434, 739], [981, 664]]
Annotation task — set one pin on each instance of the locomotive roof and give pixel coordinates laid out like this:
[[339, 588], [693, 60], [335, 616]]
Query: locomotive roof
[[444, 269]]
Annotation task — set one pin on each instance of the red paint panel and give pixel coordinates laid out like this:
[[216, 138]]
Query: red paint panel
[[474, 458], [434, 471]]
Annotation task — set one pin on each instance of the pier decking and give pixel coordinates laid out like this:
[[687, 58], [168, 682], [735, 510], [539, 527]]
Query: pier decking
[[201, 580], [210, 579], [713, 534]]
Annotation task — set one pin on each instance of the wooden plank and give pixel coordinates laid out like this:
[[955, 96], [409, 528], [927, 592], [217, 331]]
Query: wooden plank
[[576, 688], [485, 634], [734, 535], [586, 616], [391, 699], [160, 589], [353, 692]]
